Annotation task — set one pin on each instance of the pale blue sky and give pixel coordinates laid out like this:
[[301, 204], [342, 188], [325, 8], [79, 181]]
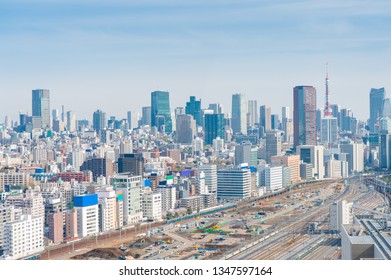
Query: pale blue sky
[[112, 54]]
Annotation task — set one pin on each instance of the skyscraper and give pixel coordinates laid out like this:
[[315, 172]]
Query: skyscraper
[[252, 112], [239, 114], [71, 121], [193, 107], [41, 106], [376, 100], [99, 121], [265, 119], [214, 127], [160, 110], [185, 129], [273, 144], [328, 130], [304, 102], [146, 116]]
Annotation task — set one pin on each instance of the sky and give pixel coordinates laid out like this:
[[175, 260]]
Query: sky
[[110, 55]]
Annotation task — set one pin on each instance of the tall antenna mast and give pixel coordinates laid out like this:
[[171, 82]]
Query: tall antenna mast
[[327, 109]]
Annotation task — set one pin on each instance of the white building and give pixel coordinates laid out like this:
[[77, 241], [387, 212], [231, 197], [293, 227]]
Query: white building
[[273, 178], [313, 155], [131, 187], [218, 145], [355, 158], [168, 197], [23, 237], [15, 179], [341, 213], [233, 183], [152, 205], [86, 207], [201, 187], [210, 172]]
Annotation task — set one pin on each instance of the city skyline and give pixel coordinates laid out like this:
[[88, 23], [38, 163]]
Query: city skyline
[[106, 54]]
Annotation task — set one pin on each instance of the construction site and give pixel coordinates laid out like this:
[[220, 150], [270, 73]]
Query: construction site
[[215, 235]]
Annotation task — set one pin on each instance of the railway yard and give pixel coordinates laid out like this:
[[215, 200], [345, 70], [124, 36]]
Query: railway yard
[[291, 225]]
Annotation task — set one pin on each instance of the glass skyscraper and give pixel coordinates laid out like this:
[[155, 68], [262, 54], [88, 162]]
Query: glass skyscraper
[[304, 117], [193, 107], [41, 106], [239, 114], [376, 99], [160, 110], [214, 127], [99, 121]]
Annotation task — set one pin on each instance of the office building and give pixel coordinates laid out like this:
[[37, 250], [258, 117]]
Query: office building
[[41, 106], [99, 121], [71, 121], [292, 161], [160, 111], [185, 129], [210, 173], [131, 187], [214, 126], [376, 100], [328, 130], [273, 144], [252, 113], [265, 119], [233, 183], [355, 155], [239, 114], [152, 205], [86, 207], [313, 155], [304, 119], [146, 116], [99, 167], [193, 108], [132, 163]]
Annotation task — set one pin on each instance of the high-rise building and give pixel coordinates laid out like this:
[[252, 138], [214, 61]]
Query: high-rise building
[[385, 150], [23, 237], [210, 172], [386, 111], [160, 110], [275, 121], [304, 100], [193, 107], [71, 121], [107, 206], [313, 155], [286, 112], [132, 163], [146, 116], [217, 108], [328, 130], [152, 205], [273, 178], [265, 119], [131, 187], [355, 155], [273, 144], [252, 112], [376, 100], [214, 127], [41, 106], [132, 119], [233, 183], [239, 114], [99, 121], [86, 207], [185, 129], [98, 167], [243, 154]]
